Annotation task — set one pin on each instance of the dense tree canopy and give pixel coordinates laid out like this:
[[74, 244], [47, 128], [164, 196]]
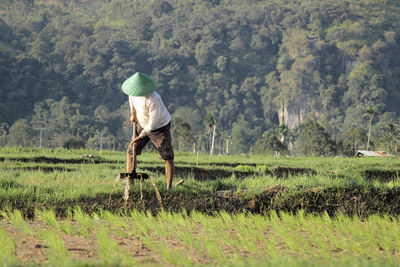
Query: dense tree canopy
[[313, 140], [269, 144], [253, 64]]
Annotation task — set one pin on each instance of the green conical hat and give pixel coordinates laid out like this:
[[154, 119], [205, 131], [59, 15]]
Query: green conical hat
[[139, 84]]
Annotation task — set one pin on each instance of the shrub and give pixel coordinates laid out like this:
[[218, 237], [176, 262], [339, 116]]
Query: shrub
[[74, 144]]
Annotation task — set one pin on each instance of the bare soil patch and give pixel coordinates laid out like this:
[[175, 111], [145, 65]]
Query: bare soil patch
[[31, 249], [203, 174], [200, 174], [285, 172], [381, 175], [28, 247], [42, 159]]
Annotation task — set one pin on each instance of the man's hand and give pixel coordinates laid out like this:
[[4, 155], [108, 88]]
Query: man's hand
[[134, 141], [133, 118]]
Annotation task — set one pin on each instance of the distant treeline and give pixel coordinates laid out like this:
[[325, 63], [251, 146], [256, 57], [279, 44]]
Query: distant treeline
[[267, 74]]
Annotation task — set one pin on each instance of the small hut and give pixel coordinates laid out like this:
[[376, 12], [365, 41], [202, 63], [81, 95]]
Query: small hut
[[367, 153]]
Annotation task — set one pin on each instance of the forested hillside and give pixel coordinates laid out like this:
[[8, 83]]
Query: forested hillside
[[275, 73]]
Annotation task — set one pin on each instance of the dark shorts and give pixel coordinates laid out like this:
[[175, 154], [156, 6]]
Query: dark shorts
[[161, 139]]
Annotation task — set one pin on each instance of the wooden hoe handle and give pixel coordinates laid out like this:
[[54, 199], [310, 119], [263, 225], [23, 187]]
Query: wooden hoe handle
[[131, 161]]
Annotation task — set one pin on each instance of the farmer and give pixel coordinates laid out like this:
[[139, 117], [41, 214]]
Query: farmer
[[148, 109]]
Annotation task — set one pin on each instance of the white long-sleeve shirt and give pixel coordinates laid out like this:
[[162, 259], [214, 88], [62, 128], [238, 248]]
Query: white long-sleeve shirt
[[150, 112]]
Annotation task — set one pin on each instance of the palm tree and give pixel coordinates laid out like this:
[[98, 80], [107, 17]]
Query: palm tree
[[391, 137], [370, 112], [211, 124]]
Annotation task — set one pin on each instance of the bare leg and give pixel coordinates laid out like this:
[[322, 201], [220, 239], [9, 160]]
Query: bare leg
[[169, 172]]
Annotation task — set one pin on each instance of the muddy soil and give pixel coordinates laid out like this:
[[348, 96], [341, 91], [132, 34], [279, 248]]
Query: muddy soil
[[219, 164], [64, 161], [286, 172], [202, 174], [350, 200], [381, 175], [31, 249]]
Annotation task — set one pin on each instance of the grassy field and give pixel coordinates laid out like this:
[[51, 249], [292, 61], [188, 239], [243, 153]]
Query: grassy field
[[183, 240], [60, 207], [60, 179]]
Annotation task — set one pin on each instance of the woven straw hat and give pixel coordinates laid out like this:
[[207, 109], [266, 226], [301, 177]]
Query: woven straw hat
[[139, 84]]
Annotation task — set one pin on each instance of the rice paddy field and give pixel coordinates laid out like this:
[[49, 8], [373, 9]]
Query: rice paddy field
[[66, 208]]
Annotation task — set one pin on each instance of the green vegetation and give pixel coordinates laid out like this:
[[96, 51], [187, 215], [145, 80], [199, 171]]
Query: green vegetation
[[252, 66], [7, 253], [258, 184], [230, 210], [220, 239]]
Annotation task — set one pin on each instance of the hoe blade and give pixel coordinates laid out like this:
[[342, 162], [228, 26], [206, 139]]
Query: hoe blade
[[133, 176]]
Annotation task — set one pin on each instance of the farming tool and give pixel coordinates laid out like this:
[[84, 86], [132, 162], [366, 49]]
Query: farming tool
[[131, 175], [131, 162]]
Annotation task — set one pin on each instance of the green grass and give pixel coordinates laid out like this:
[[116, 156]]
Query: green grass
[[223, 239], [16, 218], [335, 187], [7, 251], [56, 250], [231, 210]]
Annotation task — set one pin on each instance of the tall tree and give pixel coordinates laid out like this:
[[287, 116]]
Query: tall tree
[[211, 124], [353, 140], [21, 134], [370, 113], [182, 134], [315, 141], [269, 144]]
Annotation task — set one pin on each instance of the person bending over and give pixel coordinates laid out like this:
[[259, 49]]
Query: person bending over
[[148, 109]]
